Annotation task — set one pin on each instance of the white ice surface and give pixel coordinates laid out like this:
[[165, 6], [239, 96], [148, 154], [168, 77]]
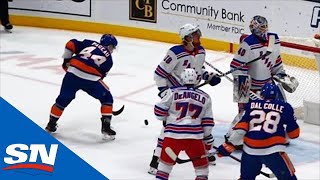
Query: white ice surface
[[30, 77]]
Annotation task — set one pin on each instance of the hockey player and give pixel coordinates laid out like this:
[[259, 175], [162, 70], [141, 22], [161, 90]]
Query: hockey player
[[266, 69], [4, 15], [263, 128], [188, 115], [189, 54], [86, 63]]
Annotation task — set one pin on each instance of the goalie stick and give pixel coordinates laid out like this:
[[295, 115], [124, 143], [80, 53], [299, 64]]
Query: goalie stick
[[261, 172], [269, 51], [116, 113], [174, 157]]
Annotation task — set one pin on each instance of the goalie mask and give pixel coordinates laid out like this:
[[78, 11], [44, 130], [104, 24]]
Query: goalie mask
[[259, 27], [187, 30], [189, 76]]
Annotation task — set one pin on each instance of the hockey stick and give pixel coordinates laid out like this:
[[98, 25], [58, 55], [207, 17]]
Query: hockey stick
[[116, 113], [252, 95], [174, 157], [261, 172], [269, 51]]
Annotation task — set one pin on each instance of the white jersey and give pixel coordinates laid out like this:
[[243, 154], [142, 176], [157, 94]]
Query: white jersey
[[177, 59], [261, 71], [187, 112]]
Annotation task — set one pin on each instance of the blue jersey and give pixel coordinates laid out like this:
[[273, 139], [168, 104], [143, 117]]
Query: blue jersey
[[266, 123], [89, 60]]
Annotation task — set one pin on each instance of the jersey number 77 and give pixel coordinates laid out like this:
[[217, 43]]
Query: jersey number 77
[[192, 110]]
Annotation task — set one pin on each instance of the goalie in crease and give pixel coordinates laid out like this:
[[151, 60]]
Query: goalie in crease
[[267, 69]]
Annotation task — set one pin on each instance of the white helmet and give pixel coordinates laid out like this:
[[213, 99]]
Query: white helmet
[[187, 30], [189, 76]]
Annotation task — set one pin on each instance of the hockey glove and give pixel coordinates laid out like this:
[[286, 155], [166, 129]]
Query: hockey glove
[[163, 91], [290, 84], [65, 64], [211, 78], [215, 80], [225, 149], [207, 76]]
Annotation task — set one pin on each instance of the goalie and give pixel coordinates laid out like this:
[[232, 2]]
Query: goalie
[[249, 79]]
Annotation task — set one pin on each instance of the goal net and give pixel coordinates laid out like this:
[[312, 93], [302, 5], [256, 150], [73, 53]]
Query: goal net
[[300, 58]]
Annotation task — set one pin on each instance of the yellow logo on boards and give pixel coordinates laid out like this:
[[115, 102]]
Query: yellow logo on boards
[[143, 10]]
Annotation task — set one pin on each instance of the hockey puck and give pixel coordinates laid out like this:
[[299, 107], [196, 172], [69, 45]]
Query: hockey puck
[[146, 122]]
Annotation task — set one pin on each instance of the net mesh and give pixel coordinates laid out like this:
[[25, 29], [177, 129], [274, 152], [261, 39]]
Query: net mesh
[[302, 64]]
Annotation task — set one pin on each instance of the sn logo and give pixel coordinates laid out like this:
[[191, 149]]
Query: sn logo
[[18, 157], [315, 19]]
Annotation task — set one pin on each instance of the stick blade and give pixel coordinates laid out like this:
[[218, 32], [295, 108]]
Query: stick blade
[[170, 153], [116, 113]]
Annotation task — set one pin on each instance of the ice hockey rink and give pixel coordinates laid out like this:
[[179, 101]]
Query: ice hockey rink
[[30, 79]]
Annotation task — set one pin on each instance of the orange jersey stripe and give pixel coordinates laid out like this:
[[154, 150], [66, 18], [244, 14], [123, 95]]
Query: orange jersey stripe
[[106, 109], [288, 162], [294, 134], [70, 45], [264, 142], [242, 125], [83, 67], [56, 111]]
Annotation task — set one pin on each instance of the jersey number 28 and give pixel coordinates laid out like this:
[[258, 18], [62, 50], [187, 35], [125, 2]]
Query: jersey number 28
[[266, 121]]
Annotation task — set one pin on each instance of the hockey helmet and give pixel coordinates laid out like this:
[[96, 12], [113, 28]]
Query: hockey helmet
[[269, 91], [187, 30], [108, 39], [259, 26], [189, 76]]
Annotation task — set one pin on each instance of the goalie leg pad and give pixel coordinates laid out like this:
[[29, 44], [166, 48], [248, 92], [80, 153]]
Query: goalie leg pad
[[241, 88]]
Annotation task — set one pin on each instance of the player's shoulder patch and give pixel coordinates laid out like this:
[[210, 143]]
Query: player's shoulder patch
[[177, 49], [251, 40]]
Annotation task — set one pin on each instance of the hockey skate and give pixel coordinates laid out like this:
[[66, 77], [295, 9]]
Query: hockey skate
[[8, 28], [107, 132], [51, 126], [154, 165]]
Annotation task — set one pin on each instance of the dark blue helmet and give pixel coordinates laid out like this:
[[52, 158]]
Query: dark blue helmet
[[108, 39], [269, 91]]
